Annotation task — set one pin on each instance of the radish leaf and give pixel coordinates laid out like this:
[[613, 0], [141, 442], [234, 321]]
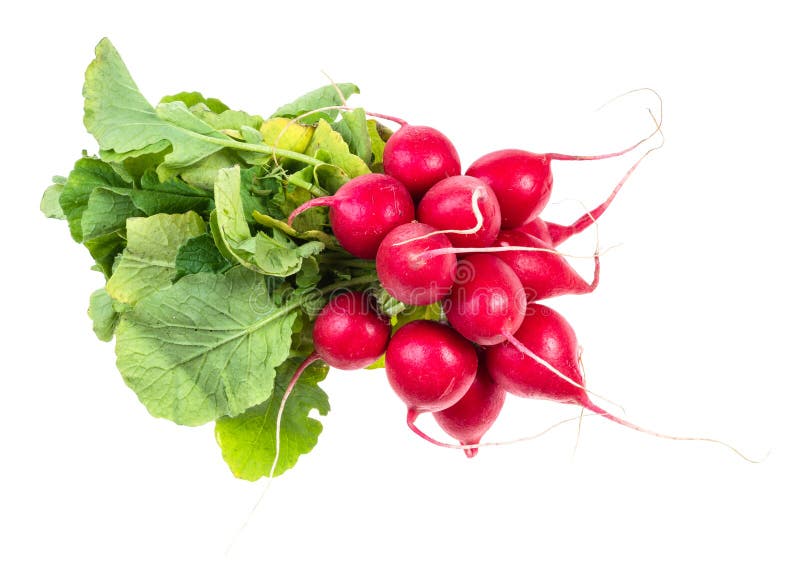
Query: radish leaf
[[204, 347], [248, 440], [148, 262], [103, 315], [274, 255], [319, 98]]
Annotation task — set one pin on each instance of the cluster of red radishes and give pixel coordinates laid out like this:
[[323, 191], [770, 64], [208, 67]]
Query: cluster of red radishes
[[475, 244]]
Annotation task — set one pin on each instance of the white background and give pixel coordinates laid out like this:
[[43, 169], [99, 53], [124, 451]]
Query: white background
[[692, 329]]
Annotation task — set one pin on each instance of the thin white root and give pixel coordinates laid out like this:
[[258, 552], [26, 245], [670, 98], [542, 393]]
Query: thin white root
[[335, 87], [526, 438], [298, 372], [438, 443], [521, 347], [477, 193], [500, 249], [578, 434]]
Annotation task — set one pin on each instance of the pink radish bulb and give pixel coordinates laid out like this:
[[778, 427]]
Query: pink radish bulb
[[407, 273], [429, 366], [546, 334], [349, 333], [471, 416], [419, 157], [522, 182], [542, 360], [363, 211], [448, 205], [543, 274], [487, 301]]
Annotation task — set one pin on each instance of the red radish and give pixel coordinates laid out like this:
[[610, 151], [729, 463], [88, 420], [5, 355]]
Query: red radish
[[419, 157], [487, 301], [547, 335], [542, 360], [407, 272], [448, 205], [471, 416], [349, 333], [363, 211], [429, 366], [522, 182], [543, 274]]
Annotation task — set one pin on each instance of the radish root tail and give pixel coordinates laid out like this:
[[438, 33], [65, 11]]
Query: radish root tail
[[475, 446], [522, 348], [600, 411], [580, 158]]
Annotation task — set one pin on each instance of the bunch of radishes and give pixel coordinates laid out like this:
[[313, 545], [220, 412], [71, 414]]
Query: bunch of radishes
[[473, 243]]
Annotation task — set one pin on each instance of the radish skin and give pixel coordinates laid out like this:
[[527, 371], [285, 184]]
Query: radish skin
[[348, 333], [487, 300], [471, 416], [463, 207], [406, 269], [363, 211], [420, 156], [430, 366], [543, 274]]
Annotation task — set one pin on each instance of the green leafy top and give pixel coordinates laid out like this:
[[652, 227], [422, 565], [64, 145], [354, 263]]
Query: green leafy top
[[209, 293], [125, 125]]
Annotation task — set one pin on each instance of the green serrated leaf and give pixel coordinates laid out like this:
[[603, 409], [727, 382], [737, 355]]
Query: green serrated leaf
[[320, 98], [193, 99], [125, 124], [216, 233], [203, 173], [248, 441], [377, 145], [106, 212], [87, 175], [275, 254], [227, 119], [330, 142], [278, 255], [172, 196], [258, 191], [148, 261], [50, 204], [199, 254], [103, 315], [105, 250], [204, 347], [354, 131]]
